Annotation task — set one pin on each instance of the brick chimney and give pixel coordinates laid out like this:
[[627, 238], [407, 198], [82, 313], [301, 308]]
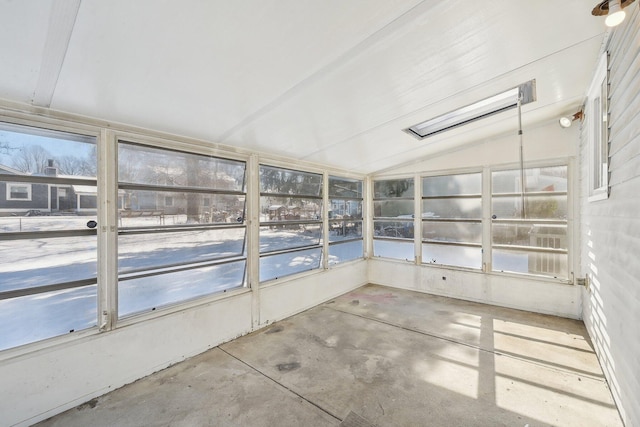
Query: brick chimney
[[50, 170]]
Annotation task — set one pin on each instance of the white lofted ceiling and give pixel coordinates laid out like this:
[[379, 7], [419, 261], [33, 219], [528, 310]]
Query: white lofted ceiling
[[327, 81]]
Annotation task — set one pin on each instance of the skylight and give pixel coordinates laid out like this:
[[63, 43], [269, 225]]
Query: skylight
[[489, 106]]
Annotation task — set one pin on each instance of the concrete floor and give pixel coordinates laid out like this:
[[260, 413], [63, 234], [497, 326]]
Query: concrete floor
[[377, 356]]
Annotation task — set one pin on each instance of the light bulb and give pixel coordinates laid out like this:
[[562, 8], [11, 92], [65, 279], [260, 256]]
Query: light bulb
[[565, 122], [616, 14]]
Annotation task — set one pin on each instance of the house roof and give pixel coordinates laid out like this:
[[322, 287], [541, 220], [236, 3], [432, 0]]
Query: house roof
[[11, 171]]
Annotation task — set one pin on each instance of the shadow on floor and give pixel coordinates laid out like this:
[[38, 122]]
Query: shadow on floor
[[377, 356]]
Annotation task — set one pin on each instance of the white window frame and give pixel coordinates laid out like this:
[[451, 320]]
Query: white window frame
[[18, 184], [330, 198], [294, 195], [490, 245], [598, 133], [413, 222], [427, 220]]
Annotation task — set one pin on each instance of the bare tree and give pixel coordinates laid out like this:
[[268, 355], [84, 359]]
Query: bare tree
[[6, 148], [31, 159], [71, 165]]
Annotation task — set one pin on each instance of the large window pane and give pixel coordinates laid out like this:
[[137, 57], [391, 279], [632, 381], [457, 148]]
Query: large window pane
[[48, 207], [345, 230], [548, 179], [40, 152], [529, 262], [141, 251], [155, 166], [36, 317], [393, 208], [28, 263], [393, 198], [534, 235], [43, 223], [394, 229], [345, 225], [543, 227], [288, 236], [176, 240], [465, 208], [345, 209], [536, 207], [291, 218], [393, 188], [286, 181], [141, 208], [347, 251], [452, 197], [459, 256], [285, 264], [289, 209], [452, 185], [440, 231], [346, 188], [398, 249], [147, 293]]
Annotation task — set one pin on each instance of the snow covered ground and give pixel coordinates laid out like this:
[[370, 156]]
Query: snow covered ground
[[48, 260]]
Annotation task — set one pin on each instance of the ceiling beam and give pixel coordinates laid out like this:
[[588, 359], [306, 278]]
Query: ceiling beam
[[61, 23]]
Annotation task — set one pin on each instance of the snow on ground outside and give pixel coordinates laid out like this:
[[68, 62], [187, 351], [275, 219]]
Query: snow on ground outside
[[36, 262]]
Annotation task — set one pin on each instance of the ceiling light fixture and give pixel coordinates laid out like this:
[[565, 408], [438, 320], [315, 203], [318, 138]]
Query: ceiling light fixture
[[614, 9], [504, 101], [616, 14], [566, 121]]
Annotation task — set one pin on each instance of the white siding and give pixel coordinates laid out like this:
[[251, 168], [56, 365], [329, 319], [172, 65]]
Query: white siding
[[610, 229]]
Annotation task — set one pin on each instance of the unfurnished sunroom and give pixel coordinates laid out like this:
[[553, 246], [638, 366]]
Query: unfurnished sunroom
[[174, 176]]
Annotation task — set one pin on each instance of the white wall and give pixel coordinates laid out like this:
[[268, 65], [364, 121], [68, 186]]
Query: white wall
[[521, 293], [543, 141], [546, 141], [610, 229], [288, 297], [45, 382]]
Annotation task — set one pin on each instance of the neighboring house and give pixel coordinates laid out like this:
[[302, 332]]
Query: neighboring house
[[20, 197]]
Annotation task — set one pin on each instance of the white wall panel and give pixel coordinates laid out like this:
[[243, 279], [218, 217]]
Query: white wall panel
[[545, 141], [521, 293], [41, 384], [288, 297], [610, 229]]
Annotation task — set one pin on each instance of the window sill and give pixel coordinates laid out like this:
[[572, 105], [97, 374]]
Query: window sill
[[530, 277], [599, 195], [180, 306]]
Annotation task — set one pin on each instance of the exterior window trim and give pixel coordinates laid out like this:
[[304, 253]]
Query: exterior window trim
[[598, 132], [19, 184]]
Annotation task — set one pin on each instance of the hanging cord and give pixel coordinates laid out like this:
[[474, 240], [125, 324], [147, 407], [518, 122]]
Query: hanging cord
[[522, 176]]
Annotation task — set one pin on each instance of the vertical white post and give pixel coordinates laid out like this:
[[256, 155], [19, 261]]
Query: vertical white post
[[325, 220], [486, 220], [253, 237], [573, 221], [417, 219], [107, 230], [367, 232]]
